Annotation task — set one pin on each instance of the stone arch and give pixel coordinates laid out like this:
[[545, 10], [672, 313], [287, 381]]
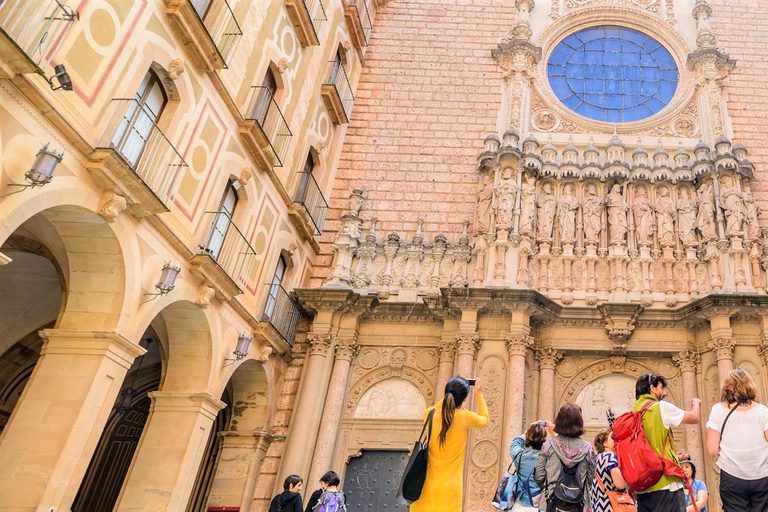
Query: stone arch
[[416, 377], [250, 394], [87, 249], [391, 398]]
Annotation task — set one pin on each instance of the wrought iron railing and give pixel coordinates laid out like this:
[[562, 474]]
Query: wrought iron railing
[[263, 109], [282, 312], [337, 76], [227, 246], [38, 27], [365, 17], [311, 198], [221, 24], [317, 15], [132, 132]]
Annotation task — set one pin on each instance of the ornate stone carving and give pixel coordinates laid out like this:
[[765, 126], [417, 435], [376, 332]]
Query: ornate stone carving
[[467, 343], [548, 358], [111, 205], [643, 215], [705, 220], [687, 360], [617, 215], [732, 204], [347, 348], [545, 212], [722, 346], [245, 175], [204, 295], [175, 68], [567, 206], [518, 344], [483, 221], [319, 343], [592, 212], [665, 214], [751, 214]]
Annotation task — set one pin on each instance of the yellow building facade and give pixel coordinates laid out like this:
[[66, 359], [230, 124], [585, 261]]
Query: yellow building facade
[[241, 240]]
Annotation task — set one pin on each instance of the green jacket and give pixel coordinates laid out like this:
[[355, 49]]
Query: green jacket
[[657, 434]]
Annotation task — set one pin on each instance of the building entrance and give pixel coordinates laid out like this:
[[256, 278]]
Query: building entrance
[[372, 480]]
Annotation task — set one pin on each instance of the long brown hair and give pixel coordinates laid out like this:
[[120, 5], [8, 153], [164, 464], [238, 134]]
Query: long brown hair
[[738, 387], [456, 391]]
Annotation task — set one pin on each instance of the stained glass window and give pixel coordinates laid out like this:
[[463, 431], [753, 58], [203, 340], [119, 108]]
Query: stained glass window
[[612, 74]]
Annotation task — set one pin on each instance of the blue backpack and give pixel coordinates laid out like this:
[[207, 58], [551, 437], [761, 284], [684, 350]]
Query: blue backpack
[[331, 501]]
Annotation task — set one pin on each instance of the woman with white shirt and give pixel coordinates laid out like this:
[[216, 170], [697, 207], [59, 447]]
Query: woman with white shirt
[[737, 431]]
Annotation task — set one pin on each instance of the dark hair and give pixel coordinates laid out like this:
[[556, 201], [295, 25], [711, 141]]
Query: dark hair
[[330, 478], [693, 468], [456, 391], [536, 435], [600, 440], [291, 481], [569, 421], [646, 381]]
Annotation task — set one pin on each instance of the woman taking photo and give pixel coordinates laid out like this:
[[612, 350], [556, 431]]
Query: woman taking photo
[[443, 487], [567, 453], [607, 473], [737, 431], [525, 452]]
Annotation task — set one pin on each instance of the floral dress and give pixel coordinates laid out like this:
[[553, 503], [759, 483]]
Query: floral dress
[[605, 462]]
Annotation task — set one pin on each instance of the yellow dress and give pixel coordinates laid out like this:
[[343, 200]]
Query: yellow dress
[[443, 487]]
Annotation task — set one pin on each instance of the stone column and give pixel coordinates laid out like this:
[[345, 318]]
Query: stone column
[[302, 434], [548, 358], [346, 349], [447, 352], [162, 475], [721, 338], [237, 469], [467, 345], [51, 436], [518, 344], [688, 361]]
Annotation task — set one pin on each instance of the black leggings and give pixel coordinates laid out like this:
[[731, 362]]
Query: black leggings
[[743, 495]]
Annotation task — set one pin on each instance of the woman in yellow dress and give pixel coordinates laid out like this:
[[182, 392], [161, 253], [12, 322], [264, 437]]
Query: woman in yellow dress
[[443, 487]]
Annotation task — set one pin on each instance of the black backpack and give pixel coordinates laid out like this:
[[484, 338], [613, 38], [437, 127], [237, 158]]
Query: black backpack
[[569, 493]]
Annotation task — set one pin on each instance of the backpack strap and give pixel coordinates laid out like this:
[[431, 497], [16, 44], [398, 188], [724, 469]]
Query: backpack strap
[[722, 427]]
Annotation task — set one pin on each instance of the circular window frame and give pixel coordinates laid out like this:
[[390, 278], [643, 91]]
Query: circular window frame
[[628, 17]]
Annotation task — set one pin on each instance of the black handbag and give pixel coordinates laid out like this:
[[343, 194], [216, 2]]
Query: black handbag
[[416, 471]]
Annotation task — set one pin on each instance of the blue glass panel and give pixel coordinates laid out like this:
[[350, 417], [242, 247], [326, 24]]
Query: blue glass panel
[[613, 74]]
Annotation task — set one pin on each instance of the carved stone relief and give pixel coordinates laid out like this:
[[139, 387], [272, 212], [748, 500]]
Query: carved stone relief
[[614, 392], [392, 398]]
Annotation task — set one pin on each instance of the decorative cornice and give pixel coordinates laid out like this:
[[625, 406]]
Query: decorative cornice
[[687, 361]]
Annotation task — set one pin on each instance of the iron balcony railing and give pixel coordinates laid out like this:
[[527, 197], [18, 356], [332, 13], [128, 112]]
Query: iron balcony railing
[[361, 6], [317, 15], [221, 25], [133, 134], [228, 247], [264, 110], [282, 312], [311, 198], [337, 76], [38, 27]]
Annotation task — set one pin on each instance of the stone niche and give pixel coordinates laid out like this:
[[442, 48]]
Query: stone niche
[[390, 399], [615, 392]]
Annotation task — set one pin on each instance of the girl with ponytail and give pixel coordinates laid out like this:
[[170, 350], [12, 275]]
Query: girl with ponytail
[[451, 424]]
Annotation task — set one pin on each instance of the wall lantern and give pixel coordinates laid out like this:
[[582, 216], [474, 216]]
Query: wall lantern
[[42, 170], [167, 281], [61, 76], [243, 343]]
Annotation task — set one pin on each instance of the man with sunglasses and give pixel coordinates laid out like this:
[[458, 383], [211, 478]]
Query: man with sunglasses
[[667, 494]]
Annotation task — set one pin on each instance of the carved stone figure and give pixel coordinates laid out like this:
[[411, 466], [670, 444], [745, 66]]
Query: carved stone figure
[[705, 220], [111, 205], [643, 212], [545, 216], [665, 214], [204, 295], [505, 199], [752, 212], [566, 214], [730, 201], [617, 215], [686, 211], [592, 210], [484, 210], [356, 199], [528, 205]]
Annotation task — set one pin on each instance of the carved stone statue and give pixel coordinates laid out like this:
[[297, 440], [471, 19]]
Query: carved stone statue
[[686, 210], [665, 217], [643, 212], [528, 206], [566, 214], [505, 199], [545, 215], [617, 215], [592, 210], [705, 220], [484, 210], [752, 212], [730, 201]]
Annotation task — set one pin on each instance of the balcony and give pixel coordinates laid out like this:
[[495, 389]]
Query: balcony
[[358, 20], [337, 93], [308, 18], [207, 28], [282, 312], [265, 130], [308, 209], [224, 257], [30, 33], [135, 159]]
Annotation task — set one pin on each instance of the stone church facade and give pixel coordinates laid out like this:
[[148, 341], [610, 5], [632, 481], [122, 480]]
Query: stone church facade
[[241, 240]]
